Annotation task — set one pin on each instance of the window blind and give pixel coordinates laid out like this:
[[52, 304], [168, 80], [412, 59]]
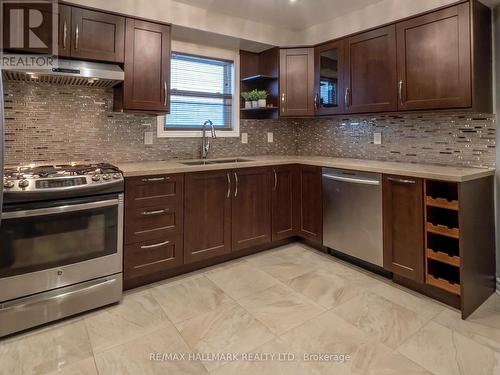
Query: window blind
[[201, 89]]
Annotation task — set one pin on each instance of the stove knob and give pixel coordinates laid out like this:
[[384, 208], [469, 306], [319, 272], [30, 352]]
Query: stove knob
[[23, 183], [96, 177], [116, 176], [106, 177], [8, 184]]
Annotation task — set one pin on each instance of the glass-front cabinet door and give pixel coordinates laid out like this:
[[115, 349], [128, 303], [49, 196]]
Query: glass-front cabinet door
[[329, 97]]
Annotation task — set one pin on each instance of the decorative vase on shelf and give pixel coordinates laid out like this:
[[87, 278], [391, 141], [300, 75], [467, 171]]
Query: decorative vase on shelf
[[262, 103], [255, 104], [248, 104]]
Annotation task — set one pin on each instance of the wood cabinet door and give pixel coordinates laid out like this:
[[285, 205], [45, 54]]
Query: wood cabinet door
[[147, 67], [329, 86], [285, 213], [251, 208], [297, 82], [207, 215], [97, 36], [311, 204], [64, 27], [403, 218], [434, 60], [370, 80]]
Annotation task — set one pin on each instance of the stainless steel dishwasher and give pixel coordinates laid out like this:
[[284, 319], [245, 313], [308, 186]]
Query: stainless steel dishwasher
[[352, 214]]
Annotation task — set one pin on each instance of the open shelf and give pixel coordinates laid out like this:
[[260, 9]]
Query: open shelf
[[260, 109], [443, 276], [443, 257], [443, 284], [258, 77], [442, 244], [442, 203], [443, 230], [442, 190]]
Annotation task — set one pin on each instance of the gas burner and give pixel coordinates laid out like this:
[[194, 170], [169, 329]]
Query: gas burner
[[26, 183]]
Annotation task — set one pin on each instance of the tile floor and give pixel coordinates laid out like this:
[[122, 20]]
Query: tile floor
[[292, 300]]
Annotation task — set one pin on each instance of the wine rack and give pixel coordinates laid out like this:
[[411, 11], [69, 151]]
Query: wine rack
[[442, 237]]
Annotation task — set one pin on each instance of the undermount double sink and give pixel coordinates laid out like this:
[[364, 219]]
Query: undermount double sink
[[221, 161]]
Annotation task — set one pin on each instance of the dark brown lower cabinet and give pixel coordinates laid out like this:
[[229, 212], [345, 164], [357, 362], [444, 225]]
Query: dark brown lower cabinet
[[153, 225], [311, 204], [207, 207], [285, 213], [404, 227], [251, 208]]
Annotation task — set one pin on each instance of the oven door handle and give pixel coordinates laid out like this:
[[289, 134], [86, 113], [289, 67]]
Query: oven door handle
[[60, 209]]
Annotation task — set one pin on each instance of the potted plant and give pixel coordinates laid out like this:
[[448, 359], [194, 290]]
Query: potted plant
[[246, 97], [254, 98], [261, 97]]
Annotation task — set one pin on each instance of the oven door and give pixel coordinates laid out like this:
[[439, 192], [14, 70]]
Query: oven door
[[49, 245]]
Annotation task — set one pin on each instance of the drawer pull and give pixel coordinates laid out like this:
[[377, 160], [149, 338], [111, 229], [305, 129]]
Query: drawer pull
[[155, 245], [155, 179], [401, 181], [157, 212]]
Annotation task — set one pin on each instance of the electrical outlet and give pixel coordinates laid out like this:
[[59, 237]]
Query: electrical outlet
[[377, 138], [244, 138], [148, 138], [270, 137]]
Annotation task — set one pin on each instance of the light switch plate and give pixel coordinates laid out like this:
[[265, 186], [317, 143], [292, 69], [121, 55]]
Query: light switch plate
[[270, 137], [244, 138], [377, 138], [148, 138]]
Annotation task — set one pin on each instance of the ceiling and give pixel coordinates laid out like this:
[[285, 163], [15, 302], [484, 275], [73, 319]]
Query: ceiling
[[295, 15]]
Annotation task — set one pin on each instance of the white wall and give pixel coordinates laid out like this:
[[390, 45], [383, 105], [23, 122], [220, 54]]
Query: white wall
[[374, 15], [197, 18]]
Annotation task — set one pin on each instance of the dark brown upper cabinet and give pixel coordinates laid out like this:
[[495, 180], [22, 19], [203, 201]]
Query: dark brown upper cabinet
[[403, 213], [97, 35], [297, 82], [64, 27], [147, 68], [434, 65], [285, 196], [207, 215], [434, 59], [329, 85], [370, 80], [251, 208]]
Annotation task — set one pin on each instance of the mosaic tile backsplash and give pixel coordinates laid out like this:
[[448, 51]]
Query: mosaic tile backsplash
[[46, 123], [461, 139]]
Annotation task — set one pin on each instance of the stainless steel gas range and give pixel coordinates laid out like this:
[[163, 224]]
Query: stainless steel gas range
[[61, 242]]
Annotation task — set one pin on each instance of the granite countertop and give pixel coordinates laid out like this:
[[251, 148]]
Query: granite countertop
[[445, 173]]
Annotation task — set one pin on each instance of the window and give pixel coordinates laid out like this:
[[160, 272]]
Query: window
[[201, 89]]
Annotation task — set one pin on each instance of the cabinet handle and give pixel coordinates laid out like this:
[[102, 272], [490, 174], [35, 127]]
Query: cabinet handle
[[165, 91], [400, 92], [228, 185], [316, 102], [283, 100], [346, 97], [155, 179], [275, 180], [65, 34], [235, 184], [77, 36], [157, 212], [155, 245], [402, 181]]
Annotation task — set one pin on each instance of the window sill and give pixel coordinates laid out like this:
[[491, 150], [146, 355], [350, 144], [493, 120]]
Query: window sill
[[162, 133]]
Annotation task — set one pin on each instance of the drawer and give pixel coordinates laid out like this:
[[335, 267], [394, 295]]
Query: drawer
[[149, 257], [153, 190], [150, 223]]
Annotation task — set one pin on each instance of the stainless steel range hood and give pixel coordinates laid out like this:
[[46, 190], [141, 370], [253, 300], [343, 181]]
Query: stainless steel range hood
[[70, 72]]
